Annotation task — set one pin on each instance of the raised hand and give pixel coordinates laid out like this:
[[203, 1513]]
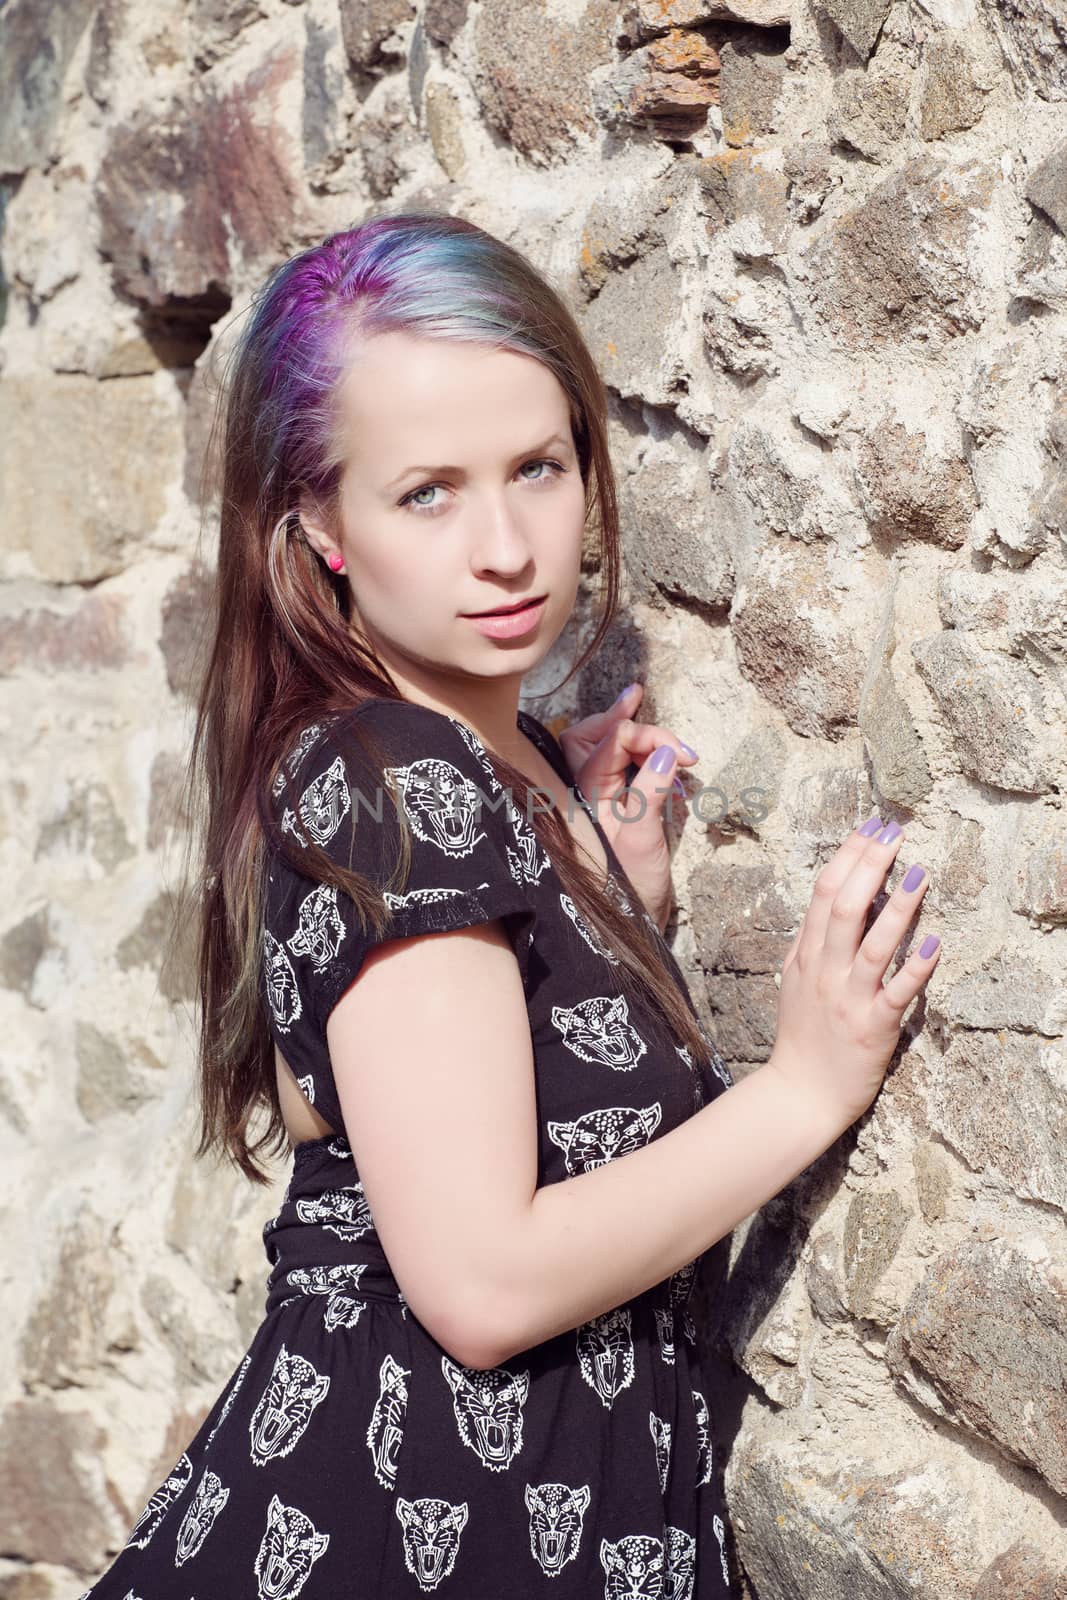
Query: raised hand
[[838, 1022], [599, 749]]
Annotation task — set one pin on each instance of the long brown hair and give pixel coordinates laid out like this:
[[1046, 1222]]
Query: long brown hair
[[280, 653]]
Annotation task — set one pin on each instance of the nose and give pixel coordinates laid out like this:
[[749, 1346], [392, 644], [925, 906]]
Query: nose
[[499, 543]]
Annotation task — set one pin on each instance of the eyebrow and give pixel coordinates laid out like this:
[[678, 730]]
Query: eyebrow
[[555, 438]]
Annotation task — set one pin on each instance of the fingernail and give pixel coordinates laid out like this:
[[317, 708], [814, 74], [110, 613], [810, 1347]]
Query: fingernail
[[624, 692], [663, 759], [688, 748], [929, 945], [913, 877], [678, 784], [872, 825], [889, 833]]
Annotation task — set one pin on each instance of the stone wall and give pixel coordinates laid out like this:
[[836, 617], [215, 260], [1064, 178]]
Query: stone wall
[[818, 248]]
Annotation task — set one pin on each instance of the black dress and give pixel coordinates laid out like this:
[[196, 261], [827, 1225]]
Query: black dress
[[350, 1455]]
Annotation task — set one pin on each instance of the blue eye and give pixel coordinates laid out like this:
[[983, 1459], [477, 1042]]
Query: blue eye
[[432, 508]]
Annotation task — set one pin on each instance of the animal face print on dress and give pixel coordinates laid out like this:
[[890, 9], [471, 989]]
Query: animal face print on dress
[[386, 1431], [319, 931], [703, 1437], [488, 1407], [283, 996], [599, 1136], [660, 1430], [585, 930], [296, 755], [323, 806], [633, 1568], [556, 1515], [199, 1519], [287, 1552], [680, 1553], [720, 1534], [442, 805], [431, 1537], [606, 1353], [160, 1502], [599, 1030], [339, 1285], [293, 1391], [680, 1283], [228, 1402], [341, 1211], [528, 860], [665, 1330]]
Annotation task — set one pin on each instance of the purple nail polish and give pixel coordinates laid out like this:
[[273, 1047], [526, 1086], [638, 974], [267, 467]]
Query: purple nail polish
[[624, 692], [929, 945], [890, 832], [871, 826], [688, 748], [678, 784], [663, 758], [913, 877]]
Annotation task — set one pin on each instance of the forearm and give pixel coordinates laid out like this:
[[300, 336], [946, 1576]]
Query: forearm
[[590, 1242]]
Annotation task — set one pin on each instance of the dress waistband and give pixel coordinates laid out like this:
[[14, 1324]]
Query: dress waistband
[[323, 1240]]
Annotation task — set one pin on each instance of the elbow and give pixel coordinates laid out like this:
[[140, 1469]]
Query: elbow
[[475, 1333]]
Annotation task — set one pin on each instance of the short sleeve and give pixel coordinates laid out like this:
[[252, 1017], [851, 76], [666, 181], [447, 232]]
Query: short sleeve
[[469, 854]]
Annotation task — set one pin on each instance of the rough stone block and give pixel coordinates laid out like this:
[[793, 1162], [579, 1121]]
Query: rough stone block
[[969, 1087], [77, 514], [983, 1338], [994, 709]]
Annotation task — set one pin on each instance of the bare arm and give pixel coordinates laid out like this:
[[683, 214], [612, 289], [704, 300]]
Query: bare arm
[[434, 1065], [597, 1239]]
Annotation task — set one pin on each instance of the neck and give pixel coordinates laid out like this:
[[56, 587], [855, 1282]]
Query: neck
[[489, 706]]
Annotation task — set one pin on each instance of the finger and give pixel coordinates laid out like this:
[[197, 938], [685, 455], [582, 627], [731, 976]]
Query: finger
[[840, 917], [884, 937], [591, 729], [628, 743], [650, 789], [904, 985]]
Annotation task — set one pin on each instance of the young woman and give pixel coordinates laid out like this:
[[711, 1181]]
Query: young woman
[[445, 983]]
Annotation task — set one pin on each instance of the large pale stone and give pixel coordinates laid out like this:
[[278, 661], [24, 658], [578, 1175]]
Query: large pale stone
[[76, 515], [53, 1488], [829, 1523], [1037, 32], [994, 708], [901, 265], [71, 633], [1008, 990], [533, 72], [875, 1226], [983, 1340], [369, 28], [902, 776], [858, 21], [666, 515], [954, 88], [39, 39], [751, 79], [188, 191], [797, 645], [909, 489], [970, 1085]]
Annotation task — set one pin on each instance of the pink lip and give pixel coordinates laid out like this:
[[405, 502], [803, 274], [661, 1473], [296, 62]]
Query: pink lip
[[510, 624]]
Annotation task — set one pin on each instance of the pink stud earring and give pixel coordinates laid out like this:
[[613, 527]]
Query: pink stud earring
[[336, 561]]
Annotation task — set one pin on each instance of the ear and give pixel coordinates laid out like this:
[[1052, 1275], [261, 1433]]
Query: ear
[[315, 526]]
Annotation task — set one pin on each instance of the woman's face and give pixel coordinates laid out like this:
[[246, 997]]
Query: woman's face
[[461, 493]]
